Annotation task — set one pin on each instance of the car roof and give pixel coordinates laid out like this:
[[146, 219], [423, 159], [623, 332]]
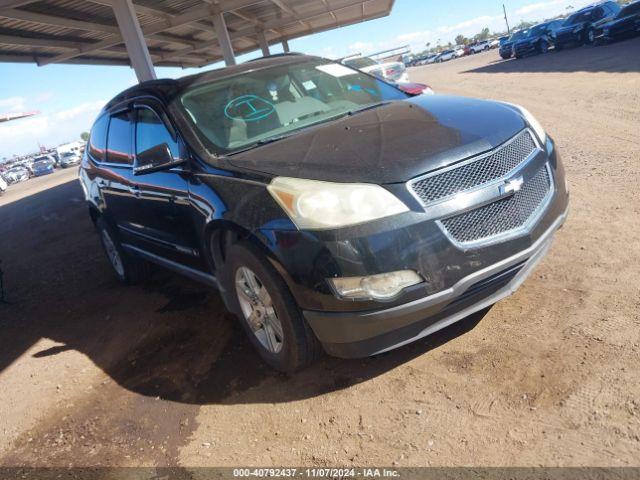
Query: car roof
[[166, 87]]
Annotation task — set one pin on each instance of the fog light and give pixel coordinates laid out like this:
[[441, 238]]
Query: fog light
[[383, 286]]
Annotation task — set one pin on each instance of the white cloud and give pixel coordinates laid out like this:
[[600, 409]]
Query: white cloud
[[49, 129], [12, 104], [361, 47], [474, 24], [549, 8]]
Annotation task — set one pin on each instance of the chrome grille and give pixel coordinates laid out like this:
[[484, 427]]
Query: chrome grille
[[477, 172], [502, 216]]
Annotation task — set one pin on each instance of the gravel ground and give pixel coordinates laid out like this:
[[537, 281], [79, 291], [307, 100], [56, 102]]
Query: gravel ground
[[93, 373]]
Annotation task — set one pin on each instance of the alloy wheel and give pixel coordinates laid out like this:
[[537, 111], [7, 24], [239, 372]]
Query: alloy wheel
[[112, 253], [258, 310]]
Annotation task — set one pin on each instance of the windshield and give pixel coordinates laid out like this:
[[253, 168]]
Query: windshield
[[41, 164], [518, 35], [360, 62], [234, 113], [67, 154], [537, 30], [578, 17]]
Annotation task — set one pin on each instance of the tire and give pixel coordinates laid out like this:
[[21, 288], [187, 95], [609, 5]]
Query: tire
[[543, 47], [267, 310], [127, 268], [589, 38]]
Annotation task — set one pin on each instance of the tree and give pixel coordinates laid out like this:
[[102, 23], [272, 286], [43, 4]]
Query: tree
[[484, 34], [461, 40], [84, 136]]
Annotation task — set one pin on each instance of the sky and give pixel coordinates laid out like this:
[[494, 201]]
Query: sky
[[69, 96]]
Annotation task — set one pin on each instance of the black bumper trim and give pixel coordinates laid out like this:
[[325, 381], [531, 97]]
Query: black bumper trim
[[360, 334]]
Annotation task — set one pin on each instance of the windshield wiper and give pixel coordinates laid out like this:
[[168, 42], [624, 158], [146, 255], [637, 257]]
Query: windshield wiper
[[275, 138]]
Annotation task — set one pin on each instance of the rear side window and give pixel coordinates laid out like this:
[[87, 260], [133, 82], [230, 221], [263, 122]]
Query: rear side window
[[151, 132], [98, 139], [119, 139]]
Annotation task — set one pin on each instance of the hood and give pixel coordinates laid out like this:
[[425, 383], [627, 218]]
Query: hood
[[389, 144]]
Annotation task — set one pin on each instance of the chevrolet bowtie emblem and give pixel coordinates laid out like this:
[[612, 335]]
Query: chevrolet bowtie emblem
[[512, 186]]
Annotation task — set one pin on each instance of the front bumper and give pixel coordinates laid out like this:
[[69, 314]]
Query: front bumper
[[506, 51], [361, 334], [524, 49]]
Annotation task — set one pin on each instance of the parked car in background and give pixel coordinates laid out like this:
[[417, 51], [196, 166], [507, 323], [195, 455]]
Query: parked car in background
[[494, 43], [506, 49], [16, 175], [478, 47], [445, 56], [431, 59], [459, 51], [536, 39], [579, 28], [392, 71], [337, 212], [42, 167], [67, 159], [625, 24], [3, 185]]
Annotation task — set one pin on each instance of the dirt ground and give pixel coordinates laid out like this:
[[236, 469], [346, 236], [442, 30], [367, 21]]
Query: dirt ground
[[94, 373]]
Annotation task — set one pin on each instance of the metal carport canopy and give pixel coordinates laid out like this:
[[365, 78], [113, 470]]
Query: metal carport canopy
[[182, 33]]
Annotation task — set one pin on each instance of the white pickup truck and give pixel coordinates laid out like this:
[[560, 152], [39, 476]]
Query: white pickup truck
[[392, 71]]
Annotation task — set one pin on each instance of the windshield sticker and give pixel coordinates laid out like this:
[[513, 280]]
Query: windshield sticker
[[309, 85], [358, 88], [249, 108], [336, 70]]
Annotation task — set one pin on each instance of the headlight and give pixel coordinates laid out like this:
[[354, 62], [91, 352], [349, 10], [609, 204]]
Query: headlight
[[533, 123], [315, 205], [383, 286]]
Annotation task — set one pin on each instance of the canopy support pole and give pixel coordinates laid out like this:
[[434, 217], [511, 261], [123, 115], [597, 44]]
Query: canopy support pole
[[220, 25], [134, 39], [264, 46]]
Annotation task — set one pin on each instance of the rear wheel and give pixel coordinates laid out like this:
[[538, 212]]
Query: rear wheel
[[267, 310], [128, 269]]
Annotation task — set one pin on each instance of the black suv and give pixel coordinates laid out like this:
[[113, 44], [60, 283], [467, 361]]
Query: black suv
[[506, 46], [330, 208], [625, 24], [537, 39], [579, 28]]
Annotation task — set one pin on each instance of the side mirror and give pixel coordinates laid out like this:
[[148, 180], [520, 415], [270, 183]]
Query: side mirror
[[154, 159]]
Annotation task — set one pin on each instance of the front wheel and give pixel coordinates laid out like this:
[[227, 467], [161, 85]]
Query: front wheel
[[267, 310], [591, 37], [544, 47]]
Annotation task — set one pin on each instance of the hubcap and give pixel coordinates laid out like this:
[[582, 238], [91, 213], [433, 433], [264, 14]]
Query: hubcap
[[112, 253], [257, 308], [591, 36]]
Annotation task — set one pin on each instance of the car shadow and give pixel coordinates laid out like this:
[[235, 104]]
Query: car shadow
[[617, 57], [169, 338]]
